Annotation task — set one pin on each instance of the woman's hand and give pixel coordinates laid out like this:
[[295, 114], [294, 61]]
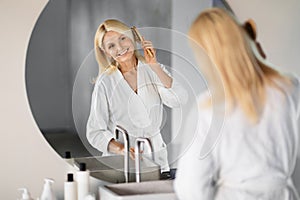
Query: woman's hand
[[155, 66], [118, 148], [149, 52], [132, 153]]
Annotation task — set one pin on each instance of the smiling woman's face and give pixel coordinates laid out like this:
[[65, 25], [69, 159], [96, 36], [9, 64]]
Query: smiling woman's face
[[118, 46]]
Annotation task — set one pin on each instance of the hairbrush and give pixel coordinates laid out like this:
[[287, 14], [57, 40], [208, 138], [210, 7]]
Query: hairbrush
[[140, 39]]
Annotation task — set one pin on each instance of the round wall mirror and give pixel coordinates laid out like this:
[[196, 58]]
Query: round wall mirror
[[61, 67], [62, 39]]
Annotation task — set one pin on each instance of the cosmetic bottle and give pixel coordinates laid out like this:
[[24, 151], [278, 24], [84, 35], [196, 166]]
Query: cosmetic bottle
[[70, 188], [25, 194], [90, 197], [68, 158], [83, 181], [48, 193]]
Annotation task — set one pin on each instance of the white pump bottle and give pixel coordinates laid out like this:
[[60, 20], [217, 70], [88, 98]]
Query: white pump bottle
[[25, 194], [48, 193]]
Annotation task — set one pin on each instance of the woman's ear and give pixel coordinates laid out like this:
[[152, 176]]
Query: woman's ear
[[250, 28]]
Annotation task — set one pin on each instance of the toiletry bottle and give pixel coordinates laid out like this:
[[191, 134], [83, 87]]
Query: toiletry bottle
[[90, 197], [68, 158], [83, 181], [70, 188], [48, 193], [25, 194]]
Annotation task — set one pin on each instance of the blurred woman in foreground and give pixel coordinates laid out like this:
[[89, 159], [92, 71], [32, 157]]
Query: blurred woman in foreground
[[255, 155]]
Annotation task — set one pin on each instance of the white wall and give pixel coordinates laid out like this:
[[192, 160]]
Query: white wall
[[26, 157], [278, 24], [183, 63], [48, 86]]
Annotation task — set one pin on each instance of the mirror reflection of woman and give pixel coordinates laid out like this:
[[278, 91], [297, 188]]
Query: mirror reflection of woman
[[256, 154], [130, 91]]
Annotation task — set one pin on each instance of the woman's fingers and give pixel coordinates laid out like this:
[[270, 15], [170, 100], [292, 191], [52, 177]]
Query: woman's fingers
[[147, 45], [131, 153], [149, 51], [132, 156], [115, 147], [150, 54]]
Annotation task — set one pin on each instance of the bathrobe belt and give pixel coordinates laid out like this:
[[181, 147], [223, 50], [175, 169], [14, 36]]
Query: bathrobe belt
[[259, 185]]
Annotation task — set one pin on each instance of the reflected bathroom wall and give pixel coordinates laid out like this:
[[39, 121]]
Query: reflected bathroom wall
[[63, 37], [47, 68], [183, 129]]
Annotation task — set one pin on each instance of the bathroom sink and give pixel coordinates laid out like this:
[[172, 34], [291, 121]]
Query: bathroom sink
[[111, 168], [150, 190]]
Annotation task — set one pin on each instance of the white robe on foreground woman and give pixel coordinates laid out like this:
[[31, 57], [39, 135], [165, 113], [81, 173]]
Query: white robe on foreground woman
[[249, 161]]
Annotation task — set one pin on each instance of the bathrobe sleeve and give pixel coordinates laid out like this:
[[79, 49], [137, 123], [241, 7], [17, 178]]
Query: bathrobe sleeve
[[196, 176], [296, 93], [296, 96], [174, 96], [97, 131]]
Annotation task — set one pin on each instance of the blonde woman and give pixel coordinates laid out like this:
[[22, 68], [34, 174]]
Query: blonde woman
[[256, 152], [130, 91]]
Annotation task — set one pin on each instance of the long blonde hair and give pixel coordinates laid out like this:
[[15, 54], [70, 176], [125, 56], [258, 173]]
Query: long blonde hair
[[105, 63], [244, 77]]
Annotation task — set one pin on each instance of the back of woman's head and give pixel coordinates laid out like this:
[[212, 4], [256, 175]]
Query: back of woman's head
[[227, 44]]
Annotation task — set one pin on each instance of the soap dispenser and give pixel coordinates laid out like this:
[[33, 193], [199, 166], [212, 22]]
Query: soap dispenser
[[25, 194], [48, 193]]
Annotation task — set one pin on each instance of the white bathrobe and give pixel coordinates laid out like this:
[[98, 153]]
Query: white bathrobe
[[248, 162], [115, 103]]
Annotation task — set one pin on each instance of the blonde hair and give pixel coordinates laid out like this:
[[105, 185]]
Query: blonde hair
[[106, 64], [244, 77]]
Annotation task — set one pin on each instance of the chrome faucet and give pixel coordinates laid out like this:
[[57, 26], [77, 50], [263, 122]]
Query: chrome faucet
[[137, 148], [126, 150]]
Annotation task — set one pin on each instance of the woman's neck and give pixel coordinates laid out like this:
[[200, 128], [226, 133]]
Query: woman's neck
[[128, 65]]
